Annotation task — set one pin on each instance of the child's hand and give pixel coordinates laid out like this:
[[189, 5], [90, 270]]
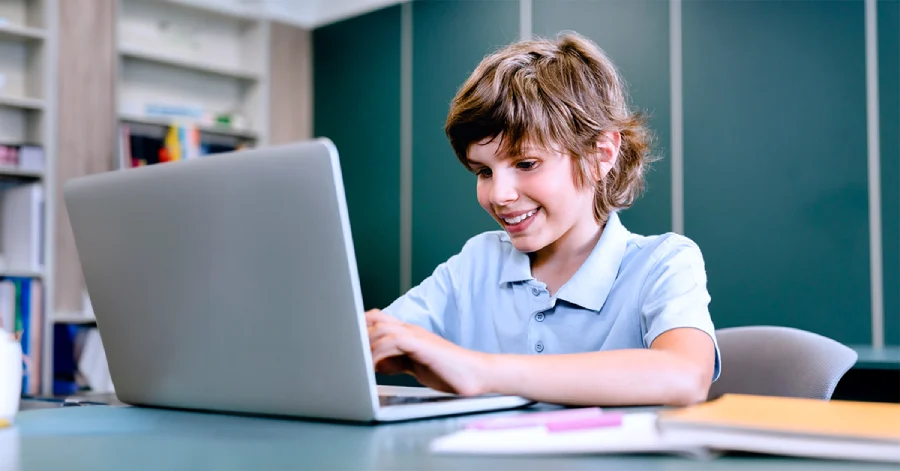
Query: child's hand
[[399, 347]]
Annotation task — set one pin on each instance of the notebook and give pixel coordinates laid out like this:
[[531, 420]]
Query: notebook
[[757, 424], [865, 431]]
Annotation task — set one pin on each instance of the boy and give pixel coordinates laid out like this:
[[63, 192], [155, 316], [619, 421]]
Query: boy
[[563, 305]]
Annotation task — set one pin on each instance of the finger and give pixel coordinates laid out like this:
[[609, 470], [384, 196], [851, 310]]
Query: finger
[[371, 329], [373, 325], [386, 347], [387, 344], [381, 329], [394, 365], [369, 316], [376, 315]]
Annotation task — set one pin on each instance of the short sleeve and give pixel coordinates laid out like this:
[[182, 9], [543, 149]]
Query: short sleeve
[[675, 294], [431, 303]]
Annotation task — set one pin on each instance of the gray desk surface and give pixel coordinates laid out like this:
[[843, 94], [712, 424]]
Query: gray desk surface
[[887, 358], [121, 437]]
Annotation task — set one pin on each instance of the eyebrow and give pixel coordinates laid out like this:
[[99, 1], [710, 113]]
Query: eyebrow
[[528, 153]]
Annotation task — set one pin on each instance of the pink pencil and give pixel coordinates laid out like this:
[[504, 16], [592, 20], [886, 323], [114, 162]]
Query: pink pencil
[[536, 419], [609, 419]]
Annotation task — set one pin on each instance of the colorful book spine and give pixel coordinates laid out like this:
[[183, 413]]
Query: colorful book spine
[[28, 329]]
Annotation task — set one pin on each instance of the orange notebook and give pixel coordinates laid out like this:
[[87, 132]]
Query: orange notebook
[[791, 426]]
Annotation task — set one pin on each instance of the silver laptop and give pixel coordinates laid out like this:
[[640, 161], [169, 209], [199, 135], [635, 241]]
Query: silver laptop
[[229, 283]]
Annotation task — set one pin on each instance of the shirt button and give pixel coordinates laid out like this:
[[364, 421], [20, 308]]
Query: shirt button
[[535, 291], [539, 317], [539, 347]]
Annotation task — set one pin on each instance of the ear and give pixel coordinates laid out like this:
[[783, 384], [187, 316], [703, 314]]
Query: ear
[[607, 153]]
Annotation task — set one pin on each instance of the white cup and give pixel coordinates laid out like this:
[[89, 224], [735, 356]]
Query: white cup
[[10, 378]]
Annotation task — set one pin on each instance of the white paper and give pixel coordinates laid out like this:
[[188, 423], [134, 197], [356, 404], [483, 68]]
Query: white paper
[[637, 434], [93, 365]]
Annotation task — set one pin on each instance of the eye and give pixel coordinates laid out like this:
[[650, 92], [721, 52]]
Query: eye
[[483, 172], [526, 165]]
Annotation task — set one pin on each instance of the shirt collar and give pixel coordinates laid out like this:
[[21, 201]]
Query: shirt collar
[[591, 284], [593, 281], [516, 267]]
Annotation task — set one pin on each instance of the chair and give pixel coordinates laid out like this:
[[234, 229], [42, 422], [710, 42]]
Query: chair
[[779, 361]]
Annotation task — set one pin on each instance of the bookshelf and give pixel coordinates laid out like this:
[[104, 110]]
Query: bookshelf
[[25, 103], [21, 273], [74, 318], [14, 32], [8, 173], [212, 129], [205, 66], [191, 68], [28, 61]]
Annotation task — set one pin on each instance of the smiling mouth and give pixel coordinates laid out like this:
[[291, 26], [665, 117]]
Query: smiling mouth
[[520, 218]]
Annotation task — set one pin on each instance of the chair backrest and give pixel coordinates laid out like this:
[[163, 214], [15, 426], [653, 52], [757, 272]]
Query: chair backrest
[[780, 361]]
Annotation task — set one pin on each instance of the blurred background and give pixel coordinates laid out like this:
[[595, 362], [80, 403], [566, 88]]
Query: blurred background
[[778, 124]]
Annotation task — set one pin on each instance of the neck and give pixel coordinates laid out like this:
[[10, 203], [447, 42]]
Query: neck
[[572, 249]]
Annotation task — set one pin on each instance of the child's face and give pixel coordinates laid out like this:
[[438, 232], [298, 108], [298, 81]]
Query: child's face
[[533, 197]]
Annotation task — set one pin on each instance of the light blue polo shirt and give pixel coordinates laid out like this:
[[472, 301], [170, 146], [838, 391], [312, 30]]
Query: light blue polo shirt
[[629, 290]]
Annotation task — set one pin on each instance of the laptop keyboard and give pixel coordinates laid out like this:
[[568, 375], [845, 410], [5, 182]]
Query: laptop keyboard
[[400, 400]]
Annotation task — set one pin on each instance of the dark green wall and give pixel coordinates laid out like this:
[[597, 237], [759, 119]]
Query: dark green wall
[[889, 108], [449, 40], [775, 162], [775, 150], [635, 35], [356, 72]]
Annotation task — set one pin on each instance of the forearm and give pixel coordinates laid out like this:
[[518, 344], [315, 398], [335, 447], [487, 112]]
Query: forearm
[[608, 378]]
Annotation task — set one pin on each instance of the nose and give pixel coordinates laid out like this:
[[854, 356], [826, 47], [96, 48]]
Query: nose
[[503, 190]]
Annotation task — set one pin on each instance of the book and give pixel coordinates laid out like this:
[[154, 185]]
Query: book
[[810, 428], [9, 156], [35, 337], [7, 306], [31, 158], [24, 157], [25, 300], [174, 142], [22, 227], [848, 430]]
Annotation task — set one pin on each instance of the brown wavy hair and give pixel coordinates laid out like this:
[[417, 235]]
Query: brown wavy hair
[[563, 95]]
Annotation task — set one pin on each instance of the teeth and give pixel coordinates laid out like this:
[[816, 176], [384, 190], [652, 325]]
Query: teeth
[[520, 218]]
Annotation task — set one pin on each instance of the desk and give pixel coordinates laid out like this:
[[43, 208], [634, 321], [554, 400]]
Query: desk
[[887, 358], [874, 377], [121, 437]]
